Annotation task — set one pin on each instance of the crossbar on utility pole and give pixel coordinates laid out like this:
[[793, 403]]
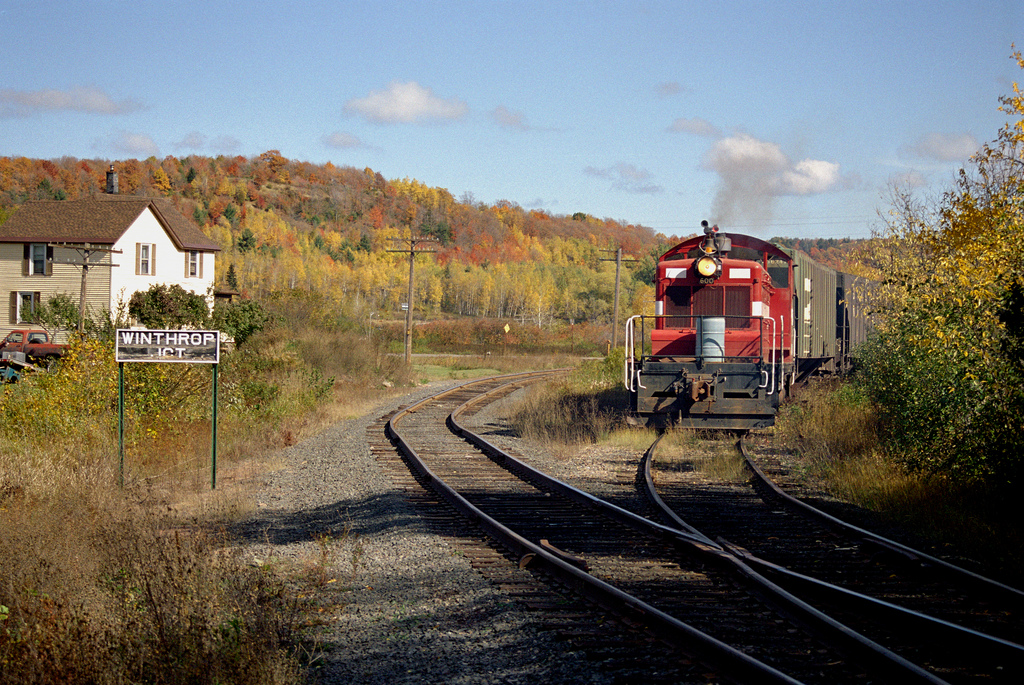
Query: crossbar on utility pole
[[615, 308], [415, 245], [86, 250]]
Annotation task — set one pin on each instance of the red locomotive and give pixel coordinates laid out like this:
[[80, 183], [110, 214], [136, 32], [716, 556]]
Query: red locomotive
[[738, 321]]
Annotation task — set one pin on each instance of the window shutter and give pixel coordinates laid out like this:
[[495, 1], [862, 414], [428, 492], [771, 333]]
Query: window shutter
[[138, 258], [49, 260], [200, 270], [152, 260], [26, 260], [14, 308]]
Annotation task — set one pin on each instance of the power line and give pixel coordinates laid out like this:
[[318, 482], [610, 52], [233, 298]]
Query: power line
[[766, 227]]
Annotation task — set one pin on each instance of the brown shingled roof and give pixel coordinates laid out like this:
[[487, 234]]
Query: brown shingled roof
[[100, 219]]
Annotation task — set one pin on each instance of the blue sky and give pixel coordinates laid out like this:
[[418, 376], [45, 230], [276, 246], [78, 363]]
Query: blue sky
[[776, 118]]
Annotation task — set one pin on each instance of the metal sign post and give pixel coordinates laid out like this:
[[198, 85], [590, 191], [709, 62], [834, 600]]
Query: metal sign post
[[190, 347]]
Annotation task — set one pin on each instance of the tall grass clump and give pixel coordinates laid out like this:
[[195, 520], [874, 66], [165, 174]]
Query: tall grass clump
[[832, 427], [581, 408], [830, 422], [101, 583]]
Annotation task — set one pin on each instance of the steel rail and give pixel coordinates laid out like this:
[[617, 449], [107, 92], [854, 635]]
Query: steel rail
[[1010, 654], [695, 544], [705, 648], [868, 652], [768, 488]]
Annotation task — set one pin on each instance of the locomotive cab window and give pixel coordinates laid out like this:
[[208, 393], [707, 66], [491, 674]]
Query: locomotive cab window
[[683, 303], [778, 269]]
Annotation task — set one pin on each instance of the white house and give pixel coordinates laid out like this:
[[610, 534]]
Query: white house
[[99, 250]]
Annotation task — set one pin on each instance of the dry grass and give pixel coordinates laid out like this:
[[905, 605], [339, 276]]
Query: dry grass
[[103, 583], [711, 454], [100, 590], [581, 409], [561, 419]]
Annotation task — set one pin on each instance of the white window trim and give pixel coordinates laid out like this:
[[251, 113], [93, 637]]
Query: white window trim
[[33, 302], [32, 259], [193, 264], [145, 266]]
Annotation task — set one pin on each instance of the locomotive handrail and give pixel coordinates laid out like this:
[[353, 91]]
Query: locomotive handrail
[[630, 349], [772, 365], [630, 341]]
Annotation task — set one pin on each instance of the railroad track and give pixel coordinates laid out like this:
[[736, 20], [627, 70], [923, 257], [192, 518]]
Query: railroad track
[[959, 626], [641, 578]]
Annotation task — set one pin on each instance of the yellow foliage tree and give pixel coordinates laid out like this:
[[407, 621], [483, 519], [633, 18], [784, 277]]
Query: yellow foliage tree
[[947, 365], [160, 180]]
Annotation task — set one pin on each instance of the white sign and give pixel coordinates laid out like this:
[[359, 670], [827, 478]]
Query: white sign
[[196, 347]]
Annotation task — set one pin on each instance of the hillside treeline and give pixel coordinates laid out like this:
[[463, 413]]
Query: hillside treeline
[[284, 224], [836, 253]]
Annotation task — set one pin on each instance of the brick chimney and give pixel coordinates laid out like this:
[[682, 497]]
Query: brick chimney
[[111, 181]]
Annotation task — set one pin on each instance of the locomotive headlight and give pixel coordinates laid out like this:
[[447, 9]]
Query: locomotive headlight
[[707, 267]]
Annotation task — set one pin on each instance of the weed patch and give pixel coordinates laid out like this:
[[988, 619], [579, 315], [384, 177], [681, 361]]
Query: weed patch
[[127, 597]]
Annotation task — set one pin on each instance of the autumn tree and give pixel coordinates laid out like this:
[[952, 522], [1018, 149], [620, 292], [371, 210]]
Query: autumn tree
[[946, 367], [160, 180], [163, 306]]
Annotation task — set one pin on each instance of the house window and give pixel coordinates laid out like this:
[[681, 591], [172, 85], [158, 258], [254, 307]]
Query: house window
[[37, 260], [194, 268], [145, 259], [23, 304]]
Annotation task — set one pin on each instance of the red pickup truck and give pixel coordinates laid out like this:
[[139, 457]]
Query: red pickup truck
[[34, 344]]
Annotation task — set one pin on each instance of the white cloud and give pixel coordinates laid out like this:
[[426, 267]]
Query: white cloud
[[695, 126], [342, 140], [943, 147], [507, 118], [669, 88], [135, 144], [193, 141], [745, 155], [19, 103], [627, 178], [809, 177], [406, 103]]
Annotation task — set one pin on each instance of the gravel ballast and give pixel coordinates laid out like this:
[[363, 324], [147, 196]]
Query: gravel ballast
[[389, 601]]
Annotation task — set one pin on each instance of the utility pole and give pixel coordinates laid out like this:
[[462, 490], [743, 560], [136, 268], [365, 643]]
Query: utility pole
[[416, 244], [86, 251], [615, 308]]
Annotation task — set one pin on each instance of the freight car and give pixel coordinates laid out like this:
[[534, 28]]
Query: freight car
[[738, 323]]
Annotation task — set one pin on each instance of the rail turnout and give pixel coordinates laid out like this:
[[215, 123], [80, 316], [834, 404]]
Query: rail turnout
[[715, 602], [956, 624]]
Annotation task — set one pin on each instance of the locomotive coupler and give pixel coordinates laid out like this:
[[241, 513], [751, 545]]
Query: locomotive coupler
[[699, 387]]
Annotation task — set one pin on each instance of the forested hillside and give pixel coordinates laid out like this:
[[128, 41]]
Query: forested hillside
[[836, 253], [285, 224]]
